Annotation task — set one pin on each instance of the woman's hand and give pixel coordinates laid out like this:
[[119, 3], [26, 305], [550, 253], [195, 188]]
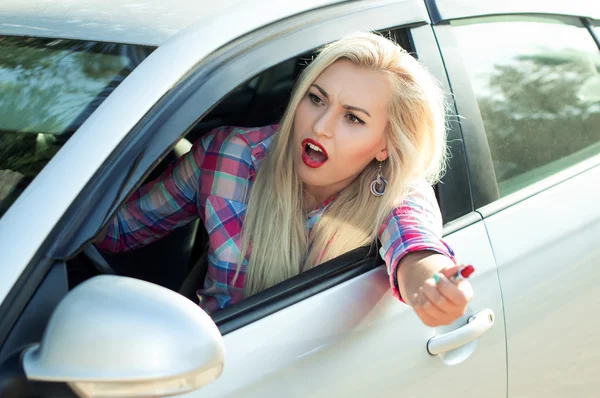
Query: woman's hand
[[438, 303], [443, 302]]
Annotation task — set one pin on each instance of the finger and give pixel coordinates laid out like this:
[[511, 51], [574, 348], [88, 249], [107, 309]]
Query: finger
[[430, 309], [418, 299], [433, 316], [428, 313], [458, 294], [448, 272], [425, 318], [433, 294], [421, 301]]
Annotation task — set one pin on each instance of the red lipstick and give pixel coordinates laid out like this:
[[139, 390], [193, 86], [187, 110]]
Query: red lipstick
[[314, 154], [463, 273]]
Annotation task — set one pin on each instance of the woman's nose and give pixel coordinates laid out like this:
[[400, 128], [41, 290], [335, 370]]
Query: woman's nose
[[324, 125]]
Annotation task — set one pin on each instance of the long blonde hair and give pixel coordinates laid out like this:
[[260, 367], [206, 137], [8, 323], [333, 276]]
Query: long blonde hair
[[274, 230]]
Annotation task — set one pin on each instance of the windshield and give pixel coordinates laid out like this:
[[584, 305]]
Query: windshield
[[48, 88]]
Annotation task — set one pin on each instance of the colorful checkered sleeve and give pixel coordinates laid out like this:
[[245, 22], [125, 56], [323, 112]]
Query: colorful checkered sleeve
[[415, 225], [159, 207]]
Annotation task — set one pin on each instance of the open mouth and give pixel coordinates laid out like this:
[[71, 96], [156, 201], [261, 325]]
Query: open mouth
[[313, 153]]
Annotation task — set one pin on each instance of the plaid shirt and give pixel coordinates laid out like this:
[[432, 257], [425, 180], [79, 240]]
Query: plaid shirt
[[213, 180]]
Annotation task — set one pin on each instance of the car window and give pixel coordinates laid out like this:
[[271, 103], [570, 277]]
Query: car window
[[48, 88], [537, 83], [260, 101]]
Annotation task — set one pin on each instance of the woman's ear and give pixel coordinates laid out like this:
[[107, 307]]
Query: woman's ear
[[382, 155]]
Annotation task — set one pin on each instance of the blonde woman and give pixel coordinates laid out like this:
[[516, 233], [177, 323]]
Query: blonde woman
[[353, 160]]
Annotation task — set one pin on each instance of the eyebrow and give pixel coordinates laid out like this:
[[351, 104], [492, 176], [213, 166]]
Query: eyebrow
[[349, 107]]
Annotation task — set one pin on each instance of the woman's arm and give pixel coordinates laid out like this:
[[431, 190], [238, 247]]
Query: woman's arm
[[158, 207], [435, 303], [414, 251]]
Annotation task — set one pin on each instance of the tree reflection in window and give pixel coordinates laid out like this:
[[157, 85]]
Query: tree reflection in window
[[538, 89], [48, 88]]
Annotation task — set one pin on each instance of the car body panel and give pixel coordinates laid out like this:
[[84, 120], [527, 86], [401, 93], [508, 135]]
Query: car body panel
[[544, 236], [356, 339], [147, 22], [547, 250]]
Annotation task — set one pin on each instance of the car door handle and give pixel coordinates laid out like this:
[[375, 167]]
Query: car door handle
[[477, 325]]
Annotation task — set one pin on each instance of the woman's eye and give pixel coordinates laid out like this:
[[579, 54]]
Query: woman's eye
[[315, 100], [354, 119]]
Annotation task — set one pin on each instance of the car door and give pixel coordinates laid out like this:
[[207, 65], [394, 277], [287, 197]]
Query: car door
[[344, 334], [355, 339], [536, 85]]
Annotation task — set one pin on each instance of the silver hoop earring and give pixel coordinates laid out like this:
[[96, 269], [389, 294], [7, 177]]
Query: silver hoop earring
[[378, 185]]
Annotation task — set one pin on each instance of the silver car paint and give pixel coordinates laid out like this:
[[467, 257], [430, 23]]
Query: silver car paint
[[150, 22], [548, 253], [357, 340], [195, 345]]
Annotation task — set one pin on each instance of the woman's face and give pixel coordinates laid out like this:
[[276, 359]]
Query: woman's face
[[339, 127]]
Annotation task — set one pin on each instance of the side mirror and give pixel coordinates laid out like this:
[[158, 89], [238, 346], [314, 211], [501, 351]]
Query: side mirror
[[114, 336]]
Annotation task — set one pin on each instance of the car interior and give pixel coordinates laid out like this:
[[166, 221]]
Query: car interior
[[176, 261]]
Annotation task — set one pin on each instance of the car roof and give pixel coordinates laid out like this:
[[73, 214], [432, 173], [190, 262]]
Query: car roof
[[152, 22], [145, 22]]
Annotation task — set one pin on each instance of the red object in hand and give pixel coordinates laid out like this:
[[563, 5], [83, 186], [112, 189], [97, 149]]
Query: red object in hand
[[463, 273]]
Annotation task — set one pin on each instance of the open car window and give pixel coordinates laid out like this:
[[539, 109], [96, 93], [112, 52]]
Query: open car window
[[172, 260], [48, 88]]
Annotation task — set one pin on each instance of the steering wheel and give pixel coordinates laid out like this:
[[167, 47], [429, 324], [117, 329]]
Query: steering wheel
[[98, 261]]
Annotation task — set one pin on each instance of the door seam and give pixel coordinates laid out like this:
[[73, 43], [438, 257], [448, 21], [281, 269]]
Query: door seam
[[501, 294]]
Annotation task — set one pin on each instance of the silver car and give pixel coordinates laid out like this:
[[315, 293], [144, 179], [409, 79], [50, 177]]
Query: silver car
[[99, 96]]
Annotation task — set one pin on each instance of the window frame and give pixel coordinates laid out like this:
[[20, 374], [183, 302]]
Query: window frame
[[594, 28], [454, 190], [486, 197], [447, 10]]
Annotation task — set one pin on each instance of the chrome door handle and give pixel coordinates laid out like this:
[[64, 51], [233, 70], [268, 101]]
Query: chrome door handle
[[476, 326]]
